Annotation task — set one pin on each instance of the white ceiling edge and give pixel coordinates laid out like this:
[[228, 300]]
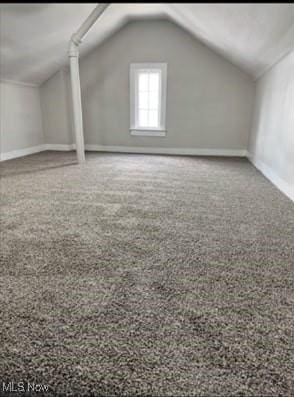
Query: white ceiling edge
[[272, 66], [177, 20], [288, 46], [221, 27], [185, 21], [274, 55], [84, 51]]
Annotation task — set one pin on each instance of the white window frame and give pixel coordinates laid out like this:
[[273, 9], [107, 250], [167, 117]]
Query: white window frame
[[134, 125]]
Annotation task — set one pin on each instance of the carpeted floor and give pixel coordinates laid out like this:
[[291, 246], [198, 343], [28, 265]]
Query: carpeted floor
[[141, 275]]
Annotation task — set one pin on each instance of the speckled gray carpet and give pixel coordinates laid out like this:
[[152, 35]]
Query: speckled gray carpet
[[138, 275]]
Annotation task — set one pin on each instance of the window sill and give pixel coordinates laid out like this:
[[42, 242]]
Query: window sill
[[146, 132]]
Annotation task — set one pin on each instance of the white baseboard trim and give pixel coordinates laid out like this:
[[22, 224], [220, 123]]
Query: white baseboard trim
[[22, 152], [175, 151], [14, 82], [270, 174], [61, 147], [34, 149], [125, 149]]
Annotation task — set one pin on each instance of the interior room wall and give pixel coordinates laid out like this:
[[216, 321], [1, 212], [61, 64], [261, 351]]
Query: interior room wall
[[55, 111], [20, 120], [271, 145], [209, 100]]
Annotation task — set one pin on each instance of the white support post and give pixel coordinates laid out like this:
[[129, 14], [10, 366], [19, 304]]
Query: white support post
[[73, 54], [76, 102]]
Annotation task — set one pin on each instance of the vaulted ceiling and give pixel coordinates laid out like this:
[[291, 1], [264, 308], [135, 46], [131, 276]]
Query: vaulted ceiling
[[34, 37]]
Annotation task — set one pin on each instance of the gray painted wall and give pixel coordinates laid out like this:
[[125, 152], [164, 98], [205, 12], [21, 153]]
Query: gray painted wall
[[272, 139], [20, 117], [209, 100], [55, 111]]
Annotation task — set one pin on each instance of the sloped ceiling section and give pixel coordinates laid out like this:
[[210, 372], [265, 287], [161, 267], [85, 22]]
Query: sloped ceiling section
[[34, 37]]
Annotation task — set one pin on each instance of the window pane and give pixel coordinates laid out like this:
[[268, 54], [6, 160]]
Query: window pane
[[143, 100], [153, 118], [143, 118], [153, 100], [143, 81], [154, 81]]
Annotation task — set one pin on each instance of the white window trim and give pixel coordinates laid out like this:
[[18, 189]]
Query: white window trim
[[134, 129]]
